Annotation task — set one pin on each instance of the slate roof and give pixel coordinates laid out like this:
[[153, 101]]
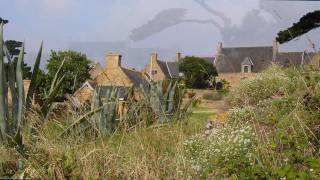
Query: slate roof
[[124, 92], [170, 69], [96, 69], [136, 78], [232, 57], [247, 61], [293, 58]]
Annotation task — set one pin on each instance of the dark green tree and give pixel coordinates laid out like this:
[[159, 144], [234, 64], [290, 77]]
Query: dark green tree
[[4, 21], [307, 23], [75, 70], [198, 72], [14, 50]]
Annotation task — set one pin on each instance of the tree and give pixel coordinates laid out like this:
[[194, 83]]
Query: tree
[[198, 72], [14, 50], [4, 21], [307, 23], [75, 70]]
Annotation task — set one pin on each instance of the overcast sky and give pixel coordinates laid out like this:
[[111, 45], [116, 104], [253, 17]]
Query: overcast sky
[[184, 25]]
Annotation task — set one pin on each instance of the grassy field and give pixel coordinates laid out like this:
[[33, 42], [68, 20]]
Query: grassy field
[[143, 153]]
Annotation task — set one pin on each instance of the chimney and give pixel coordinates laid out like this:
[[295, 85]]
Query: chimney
[[153, 60], [154, 57], [178, 56], [113, 60], [219, 48], [275, 50]]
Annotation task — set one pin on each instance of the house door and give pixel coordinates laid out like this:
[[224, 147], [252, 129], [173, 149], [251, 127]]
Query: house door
[[246, 69]]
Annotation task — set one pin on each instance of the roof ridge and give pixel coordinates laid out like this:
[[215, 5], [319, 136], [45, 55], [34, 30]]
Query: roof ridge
[[239, 47]]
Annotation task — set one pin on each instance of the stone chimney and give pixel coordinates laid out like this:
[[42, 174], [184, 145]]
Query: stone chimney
[[219, 48], [178, 56], [113, 60], [275, 50], [154, 57], [218, 56]]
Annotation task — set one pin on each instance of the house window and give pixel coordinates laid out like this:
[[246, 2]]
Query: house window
[[154, 72]]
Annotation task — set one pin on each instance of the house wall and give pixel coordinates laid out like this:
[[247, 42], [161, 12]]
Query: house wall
[[26, 85], [315, 61], [155, 67], [84, 94]]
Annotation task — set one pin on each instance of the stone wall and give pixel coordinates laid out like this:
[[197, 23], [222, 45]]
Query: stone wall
[[84, 94]]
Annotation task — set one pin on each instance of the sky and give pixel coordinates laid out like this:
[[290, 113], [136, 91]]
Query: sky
[[136, 28]]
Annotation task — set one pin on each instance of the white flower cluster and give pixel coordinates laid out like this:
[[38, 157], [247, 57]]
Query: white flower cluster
[[230, 143]]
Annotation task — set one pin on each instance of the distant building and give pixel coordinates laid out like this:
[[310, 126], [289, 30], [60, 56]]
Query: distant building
[[114, 75], [235, 63]]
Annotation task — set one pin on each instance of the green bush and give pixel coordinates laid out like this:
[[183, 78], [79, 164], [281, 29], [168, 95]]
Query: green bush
[[227, 147], [275, 81]]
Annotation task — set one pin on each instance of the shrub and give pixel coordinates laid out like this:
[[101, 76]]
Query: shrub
[[227, 149], [275, 81], [214, 96]]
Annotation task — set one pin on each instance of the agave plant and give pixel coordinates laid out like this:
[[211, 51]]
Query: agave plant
[[10, 123], [165, 99], [106, 119], [103, 115]]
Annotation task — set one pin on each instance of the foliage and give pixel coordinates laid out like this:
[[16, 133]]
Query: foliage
[[3, 21], [198, 72], [14, 50], [273, 82], [161, 102], [11, 122], [285, 120], [307, 23], [75, 70], [230, 146], [213, 95]]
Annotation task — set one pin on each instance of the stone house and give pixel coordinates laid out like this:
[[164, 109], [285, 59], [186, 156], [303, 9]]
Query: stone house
[[235, 63], [157, 70], [114, 75]]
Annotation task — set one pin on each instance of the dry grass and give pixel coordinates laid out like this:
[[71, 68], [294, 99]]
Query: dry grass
[[142, 153]]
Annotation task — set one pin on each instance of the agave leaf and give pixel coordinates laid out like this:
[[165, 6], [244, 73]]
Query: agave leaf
[[171, 96], [55, 79], [96, 103], [3, 113], [49, 98], [20, 87], [34, 76], [12, 82], [81, 119]]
